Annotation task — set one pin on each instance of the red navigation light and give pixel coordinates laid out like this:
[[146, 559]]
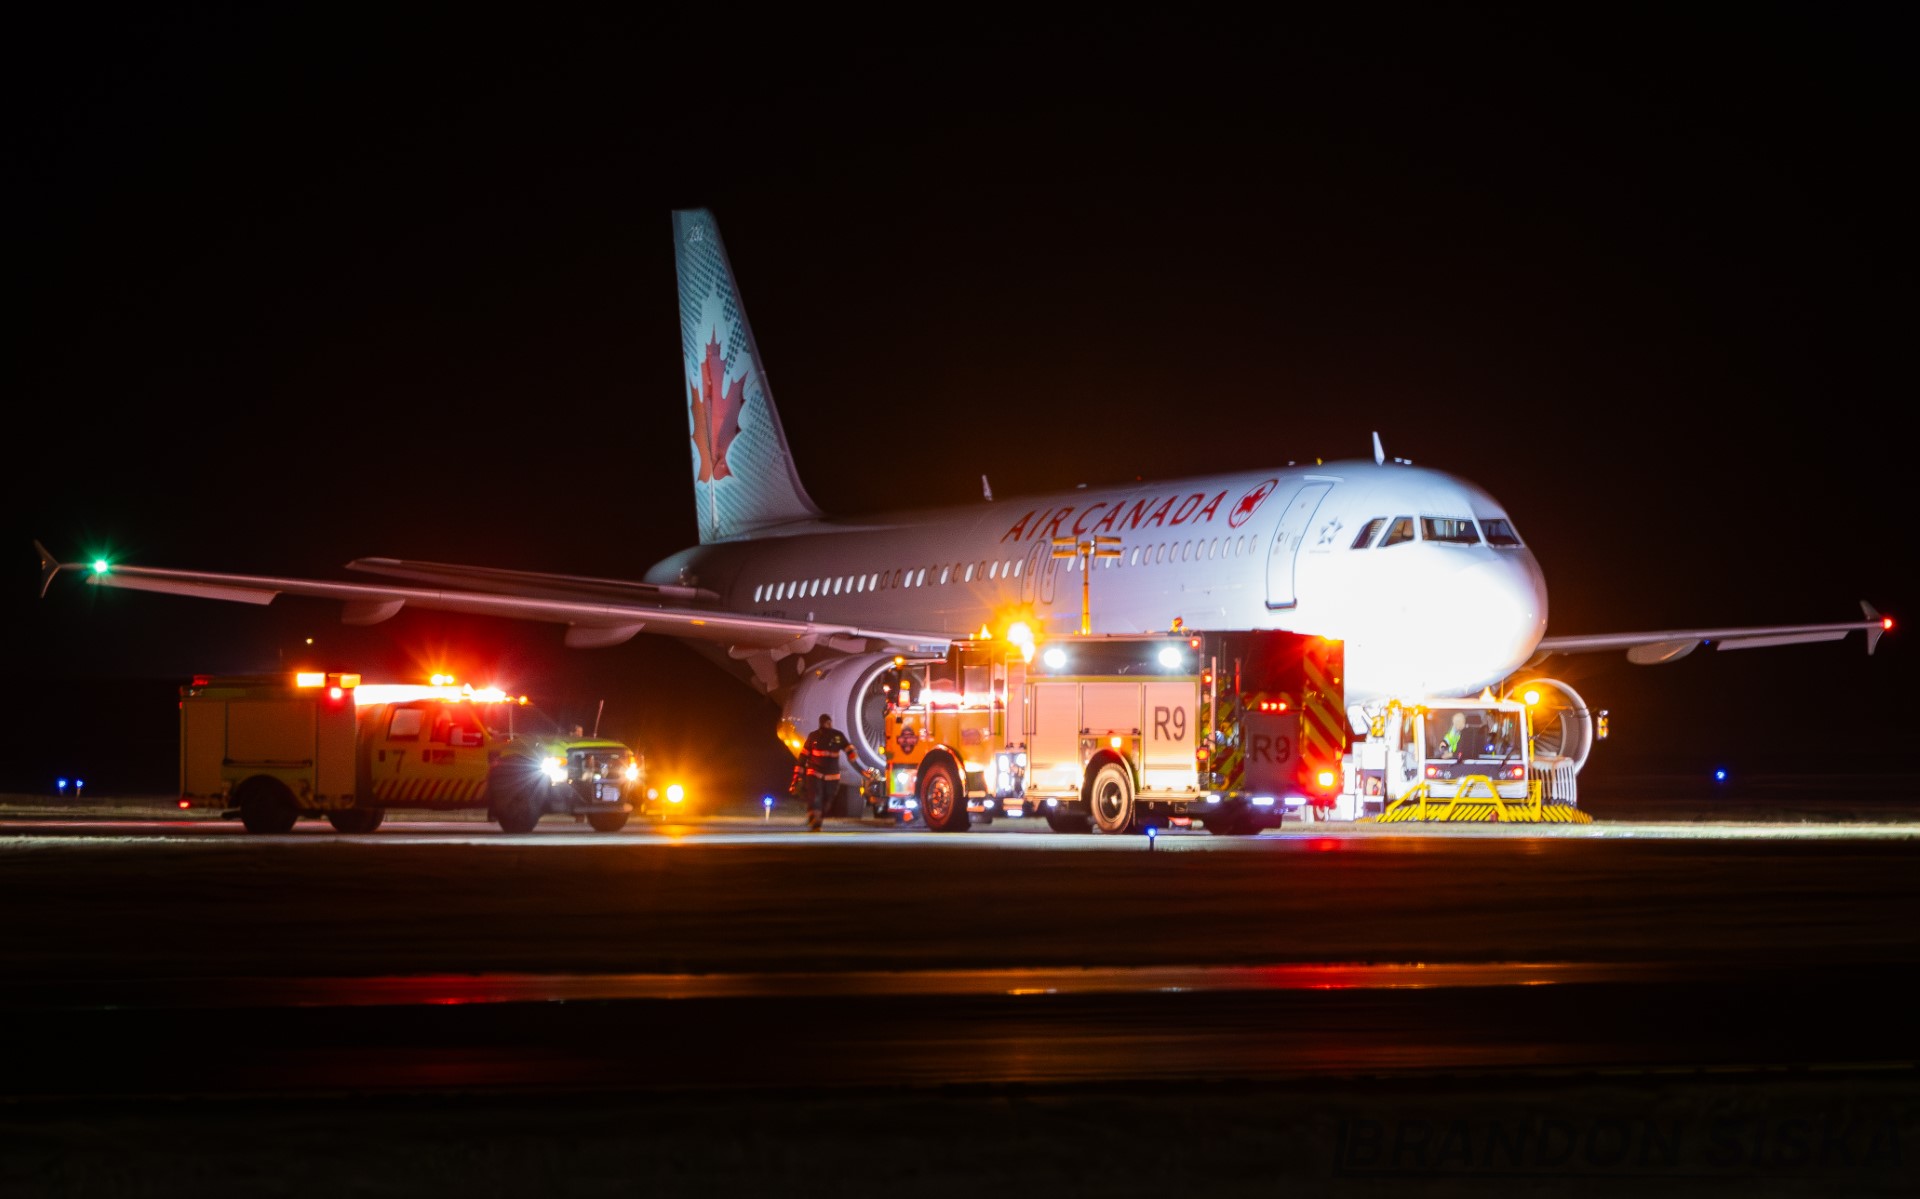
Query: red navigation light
[[184, 805], [1886, 623]]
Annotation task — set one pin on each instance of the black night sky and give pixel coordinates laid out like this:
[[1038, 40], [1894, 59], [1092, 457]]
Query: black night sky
[[298, 289]]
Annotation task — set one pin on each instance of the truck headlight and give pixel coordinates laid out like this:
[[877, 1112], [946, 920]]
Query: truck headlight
[[556, 770], [676, 793], [633, 772]]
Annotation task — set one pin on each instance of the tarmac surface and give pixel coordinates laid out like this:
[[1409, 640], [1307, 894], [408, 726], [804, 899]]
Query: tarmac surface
[[1677, 1006]]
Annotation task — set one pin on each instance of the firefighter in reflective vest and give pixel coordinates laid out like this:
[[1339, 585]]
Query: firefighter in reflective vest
[[822, 756]]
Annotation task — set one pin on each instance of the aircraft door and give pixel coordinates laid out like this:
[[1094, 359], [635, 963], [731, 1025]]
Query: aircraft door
[[1286, 543], [1036, 578]]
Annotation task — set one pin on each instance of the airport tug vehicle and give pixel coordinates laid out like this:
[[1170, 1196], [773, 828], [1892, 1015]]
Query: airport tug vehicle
[[273, 748], [1484, 759], [1118, 733]]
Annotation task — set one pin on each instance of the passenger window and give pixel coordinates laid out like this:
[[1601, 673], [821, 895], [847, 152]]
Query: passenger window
[[405, 724], [1400, 531], [993, 570], [1498, 532], [967, 577], [945, 573], [1448, 530], [457, 726], [1367, 532], [920, 579], [1016, 568]]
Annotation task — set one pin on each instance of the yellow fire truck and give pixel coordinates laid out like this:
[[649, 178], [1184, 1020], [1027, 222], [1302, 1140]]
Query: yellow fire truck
[[1119, 733], [271, 749]]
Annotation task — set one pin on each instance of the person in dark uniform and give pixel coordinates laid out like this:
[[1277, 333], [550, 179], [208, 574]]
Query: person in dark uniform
[[821, 754]]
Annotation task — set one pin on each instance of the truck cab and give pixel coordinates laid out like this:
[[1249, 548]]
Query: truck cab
[[596, 777], [1451, 748]]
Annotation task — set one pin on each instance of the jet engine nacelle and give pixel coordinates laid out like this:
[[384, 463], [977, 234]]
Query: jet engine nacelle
[[1562, 723], [852, 691]]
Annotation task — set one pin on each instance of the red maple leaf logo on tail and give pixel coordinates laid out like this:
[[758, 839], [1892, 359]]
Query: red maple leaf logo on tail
[[716, 412]]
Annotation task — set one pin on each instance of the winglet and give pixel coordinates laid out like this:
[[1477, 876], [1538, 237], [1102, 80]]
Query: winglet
[[1379, 454], [1879, 627], [49, 567]]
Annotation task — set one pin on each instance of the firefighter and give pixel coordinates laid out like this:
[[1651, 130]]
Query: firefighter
[[821, 754]]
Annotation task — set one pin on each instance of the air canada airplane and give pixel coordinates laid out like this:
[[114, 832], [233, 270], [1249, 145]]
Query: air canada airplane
[[1423, 575]]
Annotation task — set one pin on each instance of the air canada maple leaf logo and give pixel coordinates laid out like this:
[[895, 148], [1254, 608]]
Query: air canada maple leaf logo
[[1249, 503], [716, 412]]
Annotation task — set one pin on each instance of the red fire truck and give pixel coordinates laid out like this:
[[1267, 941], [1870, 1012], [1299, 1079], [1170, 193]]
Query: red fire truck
[[1118, 733]]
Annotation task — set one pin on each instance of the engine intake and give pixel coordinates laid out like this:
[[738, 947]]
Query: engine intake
[[851, 690], [1562, 722]]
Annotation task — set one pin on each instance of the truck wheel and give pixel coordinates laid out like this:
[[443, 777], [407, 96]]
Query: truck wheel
[[357, 820], [1110, 799], [1068, 822], [518, 803], [607, 822], [941, 800], [266, 806]]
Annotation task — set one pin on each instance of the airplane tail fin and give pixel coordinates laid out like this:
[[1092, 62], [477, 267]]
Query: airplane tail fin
[[743, 473]]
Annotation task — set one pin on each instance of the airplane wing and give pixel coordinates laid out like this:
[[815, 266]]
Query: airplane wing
[[1648, 649], [597, 612]]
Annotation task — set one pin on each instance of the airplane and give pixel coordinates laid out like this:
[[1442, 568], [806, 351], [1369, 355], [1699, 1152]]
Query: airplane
[[1422, 574]]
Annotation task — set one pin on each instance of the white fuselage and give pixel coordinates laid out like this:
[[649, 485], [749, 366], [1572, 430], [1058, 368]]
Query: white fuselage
[[1268, 549]]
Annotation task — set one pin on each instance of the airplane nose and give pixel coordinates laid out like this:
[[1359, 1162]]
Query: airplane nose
[[1499, 606]]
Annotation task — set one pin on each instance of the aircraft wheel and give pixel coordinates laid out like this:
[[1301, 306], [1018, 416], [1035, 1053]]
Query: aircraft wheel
[[1240, 824], [357, 820], [266, 806], [1110, 799], [941, 800], [1068, 822]]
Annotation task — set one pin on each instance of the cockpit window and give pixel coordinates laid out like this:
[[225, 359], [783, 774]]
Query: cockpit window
[[1401, 530], [1448, 529], [1367, 533], [1499, 532]]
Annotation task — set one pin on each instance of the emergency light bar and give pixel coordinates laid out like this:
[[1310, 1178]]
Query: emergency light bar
[[400, 693]]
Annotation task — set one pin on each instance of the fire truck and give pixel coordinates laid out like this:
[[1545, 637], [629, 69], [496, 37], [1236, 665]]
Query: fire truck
[[1119, 733], [273, 748]]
